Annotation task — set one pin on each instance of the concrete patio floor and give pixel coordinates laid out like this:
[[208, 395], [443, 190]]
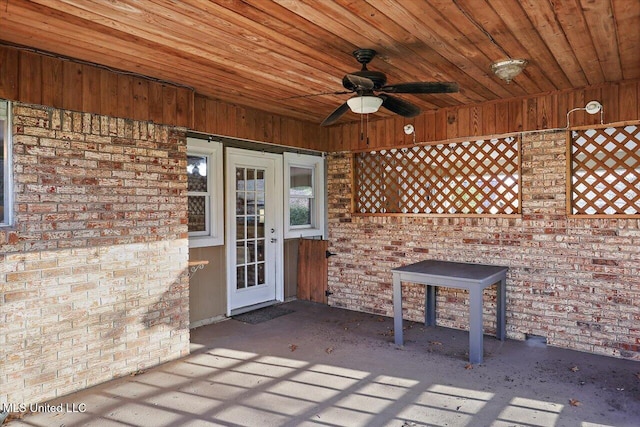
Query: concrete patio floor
[[324, 366]]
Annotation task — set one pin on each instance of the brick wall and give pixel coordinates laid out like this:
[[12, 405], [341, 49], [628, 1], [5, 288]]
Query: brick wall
[[574, 281], [93, 276]]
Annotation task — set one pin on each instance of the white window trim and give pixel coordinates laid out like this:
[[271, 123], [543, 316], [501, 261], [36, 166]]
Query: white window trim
[[215, 217], [318, 215], [6, 220]]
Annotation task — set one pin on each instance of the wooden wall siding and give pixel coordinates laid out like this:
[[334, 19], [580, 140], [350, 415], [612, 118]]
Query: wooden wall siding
[[621, 102], [216, 117], [38, 79], [44, 80]]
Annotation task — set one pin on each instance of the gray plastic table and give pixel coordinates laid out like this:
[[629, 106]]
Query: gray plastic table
[[472, 277]]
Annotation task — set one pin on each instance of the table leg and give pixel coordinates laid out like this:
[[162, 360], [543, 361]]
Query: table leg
[[501, 304], [476, 348], [397, 310], [430, 305]]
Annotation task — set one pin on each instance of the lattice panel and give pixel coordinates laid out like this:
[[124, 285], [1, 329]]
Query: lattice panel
[[479, 177], [605, 171], [197, 213]]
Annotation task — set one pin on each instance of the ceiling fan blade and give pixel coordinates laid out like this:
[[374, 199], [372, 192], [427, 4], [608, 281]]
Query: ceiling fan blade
[[399, 106], [421, 87], [353, 82], [337, 113]]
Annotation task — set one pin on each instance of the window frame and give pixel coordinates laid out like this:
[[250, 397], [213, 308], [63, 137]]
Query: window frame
[[316, 164], [214, 209], [6, 218]]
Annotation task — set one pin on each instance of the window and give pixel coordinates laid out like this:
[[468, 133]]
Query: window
[[6, 192], [605, 171], [300, 196], [204, 193], [467, 178], [304, 195]]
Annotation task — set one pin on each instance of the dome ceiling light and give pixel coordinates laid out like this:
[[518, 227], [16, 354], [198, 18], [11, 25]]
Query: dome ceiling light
[[508, 69]]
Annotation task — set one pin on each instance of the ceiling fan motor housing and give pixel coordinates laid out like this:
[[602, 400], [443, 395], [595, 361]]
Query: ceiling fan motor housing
[[378, 79], [364, 56]]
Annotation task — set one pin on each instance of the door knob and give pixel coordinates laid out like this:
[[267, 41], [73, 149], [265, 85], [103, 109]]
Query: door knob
[[273, 240]]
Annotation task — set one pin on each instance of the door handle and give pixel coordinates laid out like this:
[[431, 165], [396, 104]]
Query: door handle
[[273, 240]]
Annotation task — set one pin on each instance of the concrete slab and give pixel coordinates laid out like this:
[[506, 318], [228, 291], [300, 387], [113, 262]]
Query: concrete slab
[[323, 366]]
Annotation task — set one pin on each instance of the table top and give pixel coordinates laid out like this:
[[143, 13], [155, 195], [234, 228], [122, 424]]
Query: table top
[[459, 270]]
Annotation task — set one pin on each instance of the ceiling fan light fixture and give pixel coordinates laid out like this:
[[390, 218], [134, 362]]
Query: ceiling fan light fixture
[[508, 69], [364, 104]]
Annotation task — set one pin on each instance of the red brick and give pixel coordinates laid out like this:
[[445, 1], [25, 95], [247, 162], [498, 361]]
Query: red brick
[[559, 266], [68, 246]]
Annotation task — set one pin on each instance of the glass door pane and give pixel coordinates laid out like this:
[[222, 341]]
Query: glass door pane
[[250, 236]]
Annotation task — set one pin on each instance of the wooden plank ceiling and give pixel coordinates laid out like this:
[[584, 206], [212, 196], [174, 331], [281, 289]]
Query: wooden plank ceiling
[[278, 56]]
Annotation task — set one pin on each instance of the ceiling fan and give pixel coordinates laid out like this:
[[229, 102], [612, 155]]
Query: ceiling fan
[[372, 91]]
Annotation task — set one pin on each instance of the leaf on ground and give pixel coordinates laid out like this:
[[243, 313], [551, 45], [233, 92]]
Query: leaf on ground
[[329, 350], [468, 366], [574, 402], [293, 347], [574, 369], [435, 343], [380, 319], [638, 375], [138, 372]]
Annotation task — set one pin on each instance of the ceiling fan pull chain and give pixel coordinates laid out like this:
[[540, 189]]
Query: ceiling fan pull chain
[[367, 130]]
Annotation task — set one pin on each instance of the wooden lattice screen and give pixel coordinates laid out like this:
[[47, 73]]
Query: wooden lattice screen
[[605, 171], [480, 177]]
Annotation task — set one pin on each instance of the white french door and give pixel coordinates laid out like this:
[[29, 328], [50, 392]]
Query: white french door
[[254, 211]]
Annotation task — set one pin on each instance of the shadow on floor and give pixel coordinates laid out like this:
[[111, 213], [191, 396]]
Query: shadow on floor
[[324, 366]]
